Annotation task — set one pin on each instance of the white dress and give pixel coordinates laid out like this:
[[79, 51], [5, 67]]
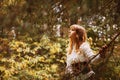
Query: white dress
[[85, 52]]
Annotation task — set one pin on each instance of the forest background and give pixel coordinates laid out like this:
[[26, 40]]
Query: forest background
[[34, 36]]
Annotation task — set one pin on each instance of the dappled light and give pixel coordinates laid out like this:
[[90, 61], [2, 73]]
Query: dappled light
[[34, 37]]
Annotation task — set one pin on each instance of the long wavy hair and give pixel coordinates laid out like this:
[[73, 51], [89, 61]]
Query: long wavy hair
[[80, 37]]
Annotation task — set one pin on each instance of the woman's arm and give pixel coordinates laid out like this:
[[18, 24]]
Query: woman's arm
[[89, 53]]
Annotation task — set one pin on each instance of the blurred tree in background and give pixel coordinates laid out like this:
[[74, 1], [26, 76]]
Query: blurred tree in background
[[33, 36]]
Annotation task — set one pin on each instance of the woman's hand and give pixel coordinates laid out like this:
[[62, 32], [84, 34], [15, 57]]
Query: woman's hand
[[103, 51]]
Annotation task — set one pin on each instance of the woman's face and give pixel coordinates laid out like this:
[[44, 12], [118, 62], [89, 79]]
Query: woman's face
[[72, 33]]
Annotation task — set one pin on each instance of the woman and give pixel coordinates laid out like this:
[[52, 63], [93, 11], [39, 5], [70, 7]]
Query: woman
[[79, 51]]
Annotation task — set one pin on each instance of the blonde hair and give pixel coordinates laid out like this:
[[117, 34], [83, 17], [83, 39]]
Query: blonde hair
[[80, 37]]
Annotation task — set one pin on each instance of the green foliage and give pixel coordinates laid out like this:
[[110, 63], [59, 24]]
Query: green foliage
[[36, 53], [40, 60], [36, 60]]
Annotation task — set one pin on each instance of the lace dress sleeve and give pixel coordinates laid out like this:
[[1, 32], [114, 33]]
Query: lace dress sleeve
[[89, 53]]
